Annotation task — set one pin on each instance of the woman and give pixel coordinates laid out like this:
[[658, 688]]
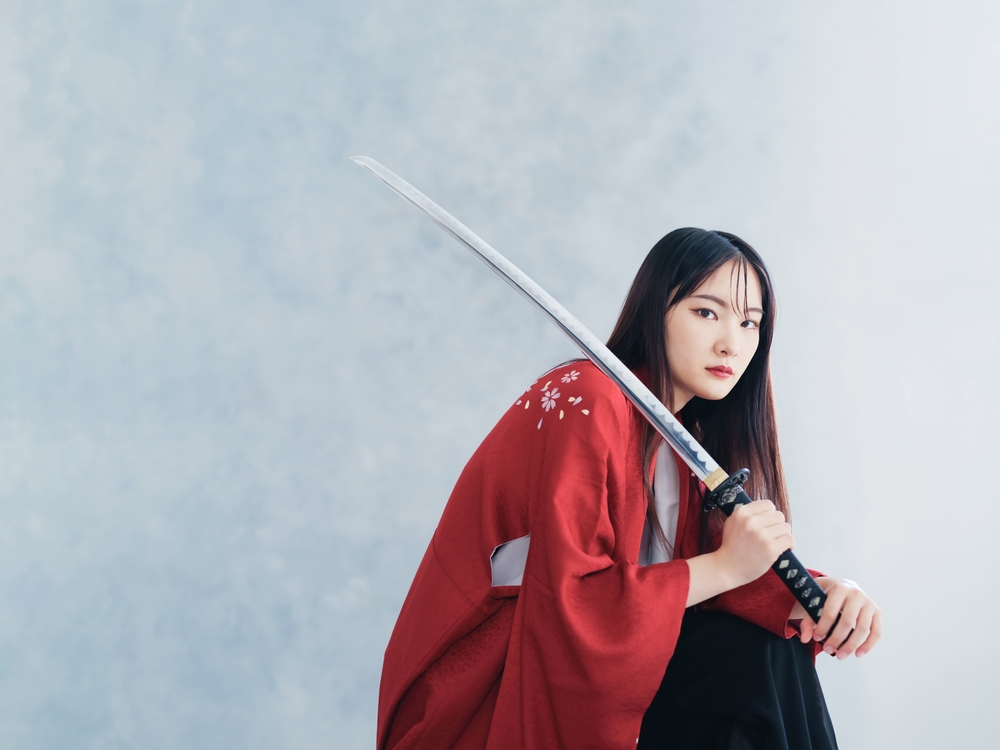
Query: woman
[[551, 599]]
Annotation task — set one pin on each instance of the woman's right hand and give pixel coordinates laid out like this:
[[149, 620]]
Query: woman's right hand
[[752, 538]]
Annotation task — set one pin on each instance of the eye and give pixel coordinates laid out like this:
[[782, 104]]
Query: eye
[[751, 325], [706, 313]]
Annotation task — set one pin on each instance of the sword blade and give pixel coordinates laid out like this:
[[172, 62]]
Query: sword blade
[[693, 454], [788, 568]]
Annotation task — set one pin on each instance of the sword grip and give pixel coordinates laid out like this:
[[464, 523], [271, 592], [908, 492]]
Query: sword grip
[[801, 583], [727, 497]]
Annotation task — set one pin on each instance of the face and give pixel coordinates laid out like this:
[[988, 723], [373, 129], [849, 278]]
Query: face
[[710, 340]]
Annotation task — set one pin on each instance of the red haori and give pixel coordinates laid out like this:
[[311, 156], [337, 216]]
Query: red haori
[[573, 656]]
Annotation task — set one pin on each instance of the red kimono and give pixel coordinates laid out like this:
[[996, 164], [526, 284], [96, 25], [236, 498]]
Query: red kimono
[[572, 656]]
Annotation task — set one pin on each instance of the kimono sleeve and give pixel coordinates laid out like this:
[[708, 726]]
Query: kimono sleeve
[[593, 631], [766, 602]]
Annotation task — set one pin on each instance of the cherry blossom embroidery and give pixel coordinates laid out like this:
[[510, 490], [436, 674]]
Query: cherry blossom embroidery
[[549, 399], [569, 377]]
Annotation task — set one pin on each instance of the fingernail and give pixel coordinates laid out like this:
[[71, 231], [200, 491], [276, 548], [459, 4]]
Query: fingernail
[[842, 655]]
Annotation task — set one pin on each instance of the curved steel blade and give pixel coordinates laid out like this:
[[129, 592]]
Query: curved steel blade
[[694, 455]]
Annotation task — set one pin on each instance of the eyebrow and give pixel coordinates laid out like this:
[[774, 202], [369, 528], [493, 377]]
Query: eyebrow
[[718, 301]]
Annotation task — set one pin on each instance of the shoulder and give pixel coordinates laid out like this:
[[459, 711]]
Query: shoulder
[[579, 388]]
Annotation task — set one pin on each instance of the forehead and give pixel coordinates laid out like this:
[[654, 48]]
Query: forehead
[[734, 281]]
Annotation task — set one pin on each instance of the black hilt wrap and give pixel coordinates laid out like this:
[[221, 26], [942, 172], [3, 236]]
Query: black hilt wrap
[[727, 497]]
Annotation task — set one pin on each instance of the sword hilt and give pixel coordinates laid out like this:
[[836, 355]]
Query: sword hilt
[[727, 497]]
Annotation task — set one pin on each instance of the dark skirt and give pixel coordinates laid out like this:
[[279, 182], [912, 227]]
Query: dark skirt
[[734, 686]]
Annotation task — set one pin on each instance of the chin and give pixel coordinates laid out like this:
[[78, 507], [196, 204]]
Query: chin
[[714, 394]]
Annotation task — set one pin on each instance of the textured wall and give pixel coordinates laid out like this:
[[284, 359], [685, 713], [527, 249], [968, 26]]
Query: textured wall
[[238, 377]]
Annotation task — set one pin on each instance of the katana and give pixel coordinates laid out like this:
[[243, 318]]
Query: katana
[[725, 490]]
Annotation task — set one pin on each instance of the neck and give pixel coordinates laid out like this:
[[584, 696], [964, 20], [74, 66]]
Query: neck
[[681, 399]]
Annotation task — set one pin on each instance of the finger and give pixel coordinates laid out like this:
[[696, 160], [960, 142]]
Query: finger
[[773, 520], [781, 542], [755, 509], [849, 614], [777, 547], [806, 629], [769, 516], [874, 636], [860, 633], [777, 530], [850, 610], [831, 610]]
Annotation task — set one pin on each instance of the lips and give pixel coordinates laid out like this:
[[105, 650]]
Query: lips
[[721, 371]]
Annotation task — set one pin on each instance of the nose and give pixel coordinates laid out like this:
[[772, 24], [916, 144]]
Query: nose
[[728, 344]]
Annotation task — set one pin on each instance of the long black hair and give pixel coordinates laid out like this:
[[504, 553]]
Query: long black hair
[[739, 430]]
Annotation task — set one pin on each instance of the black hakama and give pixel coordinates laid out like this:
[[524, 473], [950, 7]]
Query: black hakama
[[731, 685]]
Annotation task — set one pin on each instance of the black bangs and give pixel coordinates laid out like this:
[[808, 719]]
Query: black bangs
[[741, 275]]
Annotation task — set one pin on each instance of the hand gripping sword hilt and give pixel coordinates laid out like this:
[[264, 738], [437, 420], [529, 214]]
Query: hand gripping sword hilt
[[727, 497]]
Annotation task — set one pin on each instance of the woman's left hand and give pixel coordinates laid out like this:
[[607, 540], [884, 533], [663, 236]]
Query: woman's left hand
[[860, 625]]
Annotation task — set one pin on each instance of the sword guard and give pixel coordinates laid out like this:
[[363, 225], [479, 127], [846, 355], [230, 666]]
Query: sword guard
[[729, 495]]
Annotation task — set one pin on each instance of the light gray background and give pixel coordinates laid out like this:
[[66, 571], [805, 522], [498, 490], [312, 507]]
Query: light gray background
[[238, 377]]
